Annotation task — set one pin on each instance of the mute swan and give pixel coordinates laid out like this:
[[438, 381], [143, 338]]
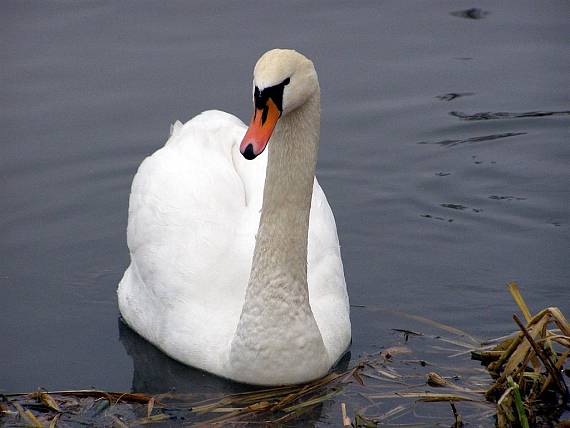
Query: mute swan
[[265, 308]]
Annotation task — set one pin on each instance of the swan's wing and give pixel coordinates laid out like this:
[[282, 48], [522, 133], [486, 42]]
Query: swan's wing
[[325, 275], [185, 226], [193, 213]]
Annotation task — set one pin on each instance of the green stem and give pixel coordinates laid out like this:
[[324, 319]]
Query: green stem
[[518, 402]]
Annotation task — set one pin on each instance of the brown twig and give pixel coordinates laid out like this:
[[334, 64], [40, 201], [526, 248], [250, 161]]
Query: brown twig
[[545, 360], [458, 422], [558, 366]]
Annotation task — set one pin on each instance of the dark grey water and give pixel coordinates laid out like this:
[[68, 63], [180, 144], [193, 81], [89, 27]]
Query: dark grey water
[[444, 154]]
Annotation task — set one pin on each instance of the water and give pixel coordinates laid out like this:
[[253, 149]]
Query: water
[[444, 155]]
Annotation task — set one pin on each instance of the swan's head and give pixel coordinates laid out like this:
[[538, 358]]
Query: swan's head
[[283, 80]]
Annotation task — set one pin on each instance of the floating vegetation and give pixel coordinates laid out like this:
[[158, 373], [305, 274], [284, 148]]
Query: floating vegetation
[[423, 379], [373, 393], [102, 408], [528, 367], [403, 383]]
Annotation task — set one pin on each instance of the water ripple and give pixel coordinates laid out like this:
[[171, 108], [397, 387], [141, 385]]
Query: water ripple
[[453, 95], [460, 207], [506, 198], [448, 220], [506, 115], [452, 143], [471, 13]]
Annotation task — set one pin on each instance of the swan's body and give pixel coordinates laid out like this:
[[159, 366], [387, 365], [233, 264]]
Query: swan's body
[[194, 214]]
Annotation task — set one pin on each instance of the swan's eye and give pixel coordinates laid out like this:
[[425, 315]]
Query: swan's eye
[[274, 92]]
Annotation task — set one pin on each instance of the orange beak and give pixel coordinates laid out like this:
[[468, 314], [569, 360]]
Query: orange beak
[[260, 129]]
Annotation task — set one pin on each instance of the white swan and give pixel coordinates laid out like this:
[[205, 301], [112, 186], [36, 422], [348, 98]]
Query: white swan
[[192, 289]]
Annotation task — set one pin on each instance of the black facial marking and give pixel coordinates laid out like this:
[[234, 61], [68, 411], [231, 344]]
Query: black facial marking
[[274, 92]]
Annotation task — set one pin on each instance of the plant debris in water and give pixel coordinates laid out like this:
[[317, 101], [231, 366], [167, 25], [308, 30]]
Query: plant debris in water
[[407, 384], [397, 385], [528, 367], [373, 393]]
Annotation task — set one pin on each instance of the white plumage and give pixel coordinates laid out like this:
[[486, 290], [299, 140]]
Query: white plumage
[[194, 211]]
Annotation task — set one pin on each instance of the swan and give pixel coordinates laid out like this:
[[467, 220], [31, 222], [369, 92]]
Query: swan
[[235, 260]]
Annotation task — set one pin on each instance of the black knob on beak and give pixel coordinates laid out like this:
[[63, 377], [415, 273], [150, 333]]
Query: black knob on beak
[[248, 152]]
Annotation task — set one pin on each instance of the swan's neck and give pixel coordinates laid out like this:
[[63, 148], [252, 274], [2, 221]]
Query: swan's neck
[[281, 243], [277, 326]]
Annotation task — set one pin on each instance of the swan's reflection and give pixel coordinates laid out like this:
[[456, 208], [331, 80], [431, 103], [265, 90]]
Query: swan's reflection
[[154, 372]]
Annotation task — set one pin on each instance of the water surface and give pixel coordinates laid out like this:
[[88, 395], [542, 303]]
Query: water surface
[[444, 154]]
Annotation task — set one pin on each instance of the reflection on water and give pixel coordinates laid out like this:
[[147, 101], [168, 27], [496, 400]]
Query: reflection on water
[[155, 372]]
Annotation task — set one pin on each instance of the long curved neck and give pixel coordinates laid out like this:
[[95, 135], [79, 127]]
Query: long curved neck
[[277, 329], [281, 243]]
